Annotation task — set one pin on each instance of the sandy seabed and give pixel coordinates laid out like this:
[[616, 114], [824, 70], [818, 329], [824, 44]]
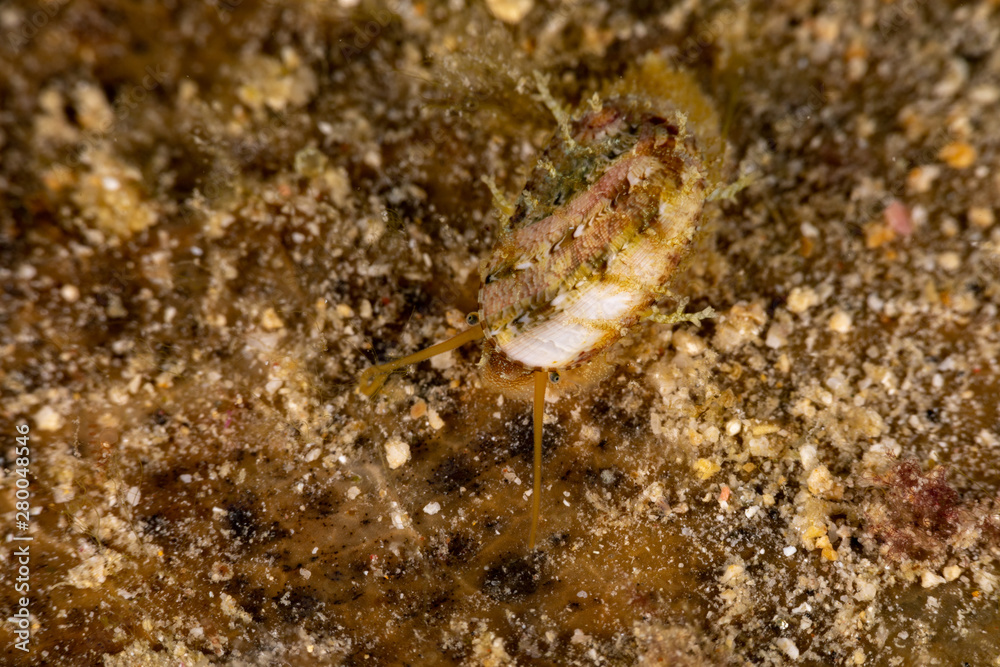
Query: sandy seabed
[[215, 215]]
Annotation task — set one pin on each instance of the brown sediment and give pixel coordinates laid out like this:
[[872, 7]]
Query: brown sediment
[[189, 293]]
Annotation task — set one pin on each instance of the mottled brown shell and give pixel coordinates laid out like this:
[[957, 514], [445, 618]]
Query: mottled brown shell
[[595, 237]]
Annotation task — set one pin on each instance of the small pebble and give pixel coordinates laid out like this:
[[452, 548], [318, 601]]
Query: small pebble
[[789, 551], [510, 11], [949, 261], [310, 162], [705, 468], [985, 93], [455, 318], [897, 217], [857, 62], [764, 446], [221, 571], [840, 322], [443, 361], [823, 484], [397, 453], [48, 419], [432, 508], [777, 335], [70, 293], [958, 155], [875, 302], [115, 309], [920, 179], [865, 591], [688, 343], [399, 518], [931, 579], [802, 299], [365, 310], [732, 572], [353, 493], [270, 320], [979, 216], [739, 327], [878, 234], [809, 457]]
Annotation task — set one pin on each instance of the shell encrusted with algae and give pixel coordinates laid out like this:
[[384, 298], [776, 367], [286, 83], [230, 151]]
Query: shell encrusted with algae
[[595, 238], [607, 215]]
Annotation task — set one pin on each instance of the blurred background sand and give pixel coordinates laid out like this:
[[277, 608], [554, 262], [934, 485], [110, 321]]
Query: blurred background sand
[[215, 215]]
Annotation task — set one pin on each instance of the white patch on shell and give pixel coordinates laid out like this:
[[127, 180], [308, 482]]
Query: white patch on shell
[[563, 338]]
